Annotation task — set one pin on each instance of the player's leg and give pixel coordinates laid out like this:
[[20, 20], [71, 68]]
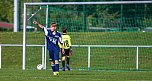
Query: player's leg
[[57, 67], [63, 61], [56, 58], [67, 59], [52, 62]]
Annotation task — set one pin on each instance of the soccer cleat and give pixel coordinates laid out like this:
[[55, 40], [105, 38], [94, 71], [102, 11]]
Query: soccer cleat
[[57, 73], [68, 67], [63, 69]]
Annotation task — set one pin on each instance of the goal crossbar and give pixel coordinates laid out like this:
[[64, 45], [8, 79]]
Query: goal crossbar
[[81, 3]]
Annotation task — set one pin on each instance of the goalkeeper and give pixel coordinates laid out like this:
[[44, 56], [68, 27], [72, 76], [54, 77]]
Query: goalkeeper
[[53, 37], [67, 48]]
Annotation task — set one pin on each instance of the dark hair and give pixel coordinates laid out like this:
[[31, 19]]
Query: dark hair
[[64, 29], [53, 23]]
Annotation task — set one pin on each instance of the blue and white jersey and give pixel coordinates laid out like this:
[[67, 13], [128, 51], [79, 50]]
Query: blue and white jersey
[[52, 39]]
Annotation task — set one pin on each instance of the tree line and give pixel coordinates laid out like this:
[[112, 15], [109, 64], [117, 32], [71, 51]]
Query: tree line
[[135, 10]]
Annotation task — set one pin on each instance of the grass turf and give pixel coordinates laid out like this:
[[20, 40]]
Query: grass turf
[[83, 38], [46, 75]]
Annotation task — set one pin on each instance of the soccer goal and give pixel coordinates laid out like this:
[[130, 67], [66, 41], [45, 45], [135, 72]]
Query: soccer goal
[[86, 22]]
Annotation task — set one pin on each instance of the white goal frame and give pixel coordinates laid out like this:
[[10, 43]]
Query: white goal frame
[[65, 3]]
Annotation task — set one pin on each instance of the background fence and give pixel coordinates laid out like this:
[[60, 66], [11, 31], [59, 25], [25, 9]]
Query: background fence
[[93, 57]]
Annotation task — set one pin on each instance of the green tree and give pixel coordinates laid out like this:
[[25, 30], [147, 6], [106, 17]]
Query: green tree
[[6, 9]]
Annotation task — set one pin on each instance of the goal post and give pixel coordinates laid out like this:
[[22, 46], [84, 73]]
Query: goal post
[[106, 25]]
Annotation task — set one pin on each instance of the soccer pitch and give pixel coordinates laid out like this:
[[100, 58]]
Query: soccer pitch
[[46, 75], [12, 58]]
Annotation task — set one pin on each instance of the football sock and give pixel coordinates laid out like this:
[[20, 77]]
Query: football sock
[[56, 67], [63, 63], [68, 59], [53, 67]]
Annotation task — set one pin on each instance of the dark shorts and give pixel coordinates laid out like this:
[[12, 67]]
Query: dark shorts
[[54, 55], [66, 52]]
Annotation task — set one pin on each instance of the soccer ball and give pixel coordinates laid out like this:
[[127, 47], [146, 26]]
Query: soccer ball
[[39, 66]]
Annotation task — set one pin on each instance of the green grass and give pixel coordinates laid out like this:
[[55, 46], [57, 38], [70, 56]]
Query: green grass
[[46, 75], [83, 38], [107, 64]]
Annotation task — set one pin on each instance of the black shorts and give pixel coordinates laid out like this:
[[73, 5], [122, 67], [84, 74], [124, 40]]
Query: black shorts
[[67, 51]]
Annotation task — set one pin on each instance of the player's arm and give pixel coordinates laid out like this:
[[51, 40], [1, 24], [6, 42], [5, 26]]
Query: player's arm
[[35, 22], [69, 41], [70, 52], [41, 26], [61, 42], [62, 47], [70, 45]]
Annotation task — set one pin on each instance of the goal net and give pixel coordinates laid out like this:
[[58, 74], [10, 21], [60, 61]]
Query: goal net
[[90, 23]]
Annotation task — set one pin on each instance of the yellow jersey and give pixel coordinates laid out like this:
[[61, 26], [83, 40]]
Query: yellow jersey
[[66, 41]]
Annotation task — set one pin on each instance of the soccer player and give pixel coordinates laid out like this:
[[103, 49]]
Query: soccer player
[[53, 37], [68, 49]]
